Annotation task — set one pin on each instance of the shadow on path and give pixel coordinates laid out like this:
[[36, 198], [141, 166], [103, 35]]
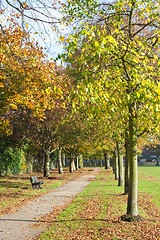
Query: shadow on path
[[20, 224]]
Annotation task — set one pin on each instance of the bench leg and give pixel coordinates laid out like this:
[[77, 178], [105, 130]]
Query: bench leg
[[37, 186]]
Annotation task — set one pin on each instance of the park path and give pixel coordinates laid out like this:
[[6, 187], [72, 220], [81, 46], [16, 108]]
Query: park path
[[21, 223]]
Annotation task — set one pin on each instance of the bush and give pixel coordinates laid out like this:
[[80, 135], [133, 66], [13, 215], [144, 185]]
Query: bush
[[12, 161]]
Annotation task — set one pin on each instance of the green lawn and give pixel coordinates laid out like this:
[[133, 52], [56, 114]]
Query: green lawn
[[149, 182], [150, 171], [96, 212]]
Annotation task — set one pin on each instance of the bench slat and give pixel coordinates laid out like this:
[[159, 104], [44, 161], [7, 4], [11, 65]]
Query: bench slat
[[35, 183]]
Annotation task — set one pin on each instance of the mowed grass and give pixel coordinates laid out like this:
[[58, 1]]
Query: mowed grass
[[96, 212], [149, 183]]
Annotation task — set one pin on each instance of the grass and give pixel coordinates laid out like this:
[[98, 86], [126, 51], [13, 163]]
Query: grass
[[17, 190], [150, 171], [149, 183], [95, 213]]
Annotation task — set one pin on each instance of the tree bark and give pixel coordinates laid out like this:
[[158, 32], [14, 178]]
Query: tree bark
[[107, 160], [63, 159], [86, 162], [80, 161], [46, 164], [40, 161], [90, 162], [72, 165], [120, 164], [158, 161], [113, 163], [116, 164], [30, 163], [60, 169], [77, 162], [127, 148], [30, 167], [132, 208], [101, 162]]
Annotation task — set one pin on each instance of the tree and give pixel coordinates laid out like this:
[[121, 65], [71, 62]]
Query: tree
[[60, 160], [119, 52], [115, 162], [80, 161], [107, 160], [72, 137], [40, 18], [41, 135], [120, 164], [28, 78]]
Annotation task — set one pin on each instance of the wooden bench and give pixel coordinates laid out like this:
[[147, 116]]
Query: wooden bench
[[34, 182]]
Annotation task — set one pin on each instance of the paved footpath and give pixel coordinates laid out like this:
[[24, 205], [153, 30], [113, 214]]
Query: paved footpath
[[19, 224]]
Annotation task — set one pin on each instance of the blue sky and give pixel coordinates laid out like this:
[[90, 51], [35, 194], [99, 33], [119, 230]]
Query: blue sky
[[46, 37]]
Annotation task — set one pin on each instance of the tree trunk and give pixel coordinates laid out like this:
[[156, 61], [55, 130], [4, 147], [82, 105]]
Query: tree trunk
[[30, 167], [116, 164], [80, 161], [101, 161], [72, 165], [120, 164], [77, 162], [60, 169], [46, 164], [86, 162], [90, 162], [107, 160], [30, 163], [95, 163], [40, 161], [132, 208], [113, 163], [127, 148], [63, 159], [158, 161]]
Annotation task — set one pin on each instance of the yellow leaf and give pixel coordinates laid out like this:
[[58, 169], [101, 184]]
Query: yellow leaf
[[62, 39], [96, 44], [26, 25], [73, 104], [48, 91], [1, 85], [69, 55], [68, 40], [13, 106]]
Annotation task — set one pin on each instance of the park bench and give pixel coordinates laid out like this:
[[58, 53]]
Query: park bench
[[34, 182]]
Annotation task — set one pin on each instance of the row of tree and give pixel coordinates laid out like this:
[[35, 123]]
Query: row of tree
[[114, 56], [106, 97]]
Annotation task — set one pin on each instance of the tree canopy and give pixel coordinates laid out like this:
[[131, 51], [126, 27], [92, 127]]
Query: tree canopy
[[115, 56]]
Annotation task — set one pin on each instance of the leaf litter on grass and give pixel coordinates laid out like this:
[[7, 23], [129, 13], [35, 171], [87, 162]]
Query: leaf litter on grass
[[16, 190], [98, 216]]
